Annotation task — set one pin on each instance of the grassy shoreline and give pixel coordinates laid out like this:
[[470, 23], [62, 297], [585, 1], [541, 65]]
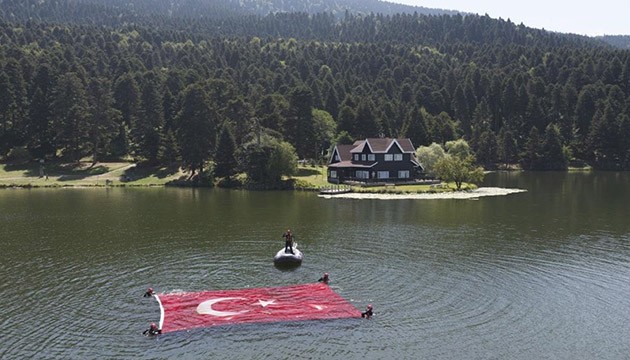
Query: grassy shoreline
[[126, 174], [85, 174]]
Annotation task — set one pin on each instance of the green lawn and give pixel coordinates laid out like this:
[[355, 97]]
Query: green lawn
[[84, 174], [316, 176]]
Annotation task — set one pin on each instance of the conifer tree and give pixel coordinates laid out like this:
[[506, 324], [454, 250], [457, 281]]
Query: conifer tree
[[531, 157], [148, 130], [103, 116], [225, 163], [552, 152], [196, 123], [71, 115], [299, 127], [39, 130]]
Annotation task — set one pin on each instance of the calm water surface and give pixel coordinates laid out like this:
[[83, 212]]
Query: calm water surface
[[535, 275]]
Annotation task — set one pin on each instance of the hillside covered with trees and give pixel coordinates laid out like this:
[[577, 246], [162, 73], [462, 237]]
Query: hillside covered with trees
[[117, 12], [169, 89]]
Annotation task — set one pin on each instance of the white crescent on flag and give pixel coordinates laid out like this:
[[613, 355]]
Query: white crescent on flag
[[205, 308]]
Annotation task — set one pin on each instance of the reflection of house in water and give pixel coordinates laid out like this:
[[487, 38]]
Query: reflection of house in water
[[375, 160]]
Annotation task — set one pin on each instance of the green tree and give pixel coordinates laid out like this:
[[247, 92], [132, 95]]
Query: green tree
[[119, 146], [266, 162], [458, 170], [13, 110], [40, 132], [239, 113], [169, 149], [225, 163], [459, 148], [416, 128], [148, 130], [344, 138], [507, 150], [624, 141], [103, 116], [368, 118], [347, 120], [603, 139], [272, 111], [71, 115], [531, 157], [487, 149], [299, 126], [428, 156], [282, 161], [584, 112], [127, 98], [196, 124], [323, 131], [6, 123], [552, 151]]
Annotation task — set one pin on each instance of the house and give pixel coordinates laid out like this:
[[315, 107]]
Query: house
[[374, 160]]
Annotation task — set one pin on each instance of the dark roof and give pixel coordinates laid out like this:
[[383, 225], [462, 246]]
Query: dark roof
[[382, 145], [344, 152], [350, 164]]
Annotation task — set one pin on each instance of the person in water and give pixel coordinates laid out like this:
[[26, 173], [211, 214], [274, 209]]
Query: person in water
[[288, 242], [149, 292], [152, 330], [324, 278], [368, 313]]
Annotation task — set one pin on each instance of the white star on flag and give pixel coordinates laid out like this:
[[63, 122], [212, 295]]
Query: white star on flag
[[264, 303]]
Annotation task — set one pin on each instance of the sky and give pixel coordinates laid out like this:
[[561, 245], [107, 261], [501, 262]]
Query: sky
[[586, 17]]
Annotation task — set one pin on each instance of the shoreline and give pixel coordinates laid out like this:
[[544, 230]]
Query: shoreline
[[461, 195]]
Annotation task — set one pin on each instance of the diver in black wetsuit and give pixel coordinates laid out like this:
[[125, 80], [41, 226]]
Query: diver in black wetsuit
[[324, 278], [368, 313], [152, 330]]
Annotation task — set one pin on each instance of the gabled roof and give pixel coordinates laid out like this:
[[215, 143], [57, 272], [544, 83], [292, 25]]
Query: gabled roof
[[343, 151], [382, 145]]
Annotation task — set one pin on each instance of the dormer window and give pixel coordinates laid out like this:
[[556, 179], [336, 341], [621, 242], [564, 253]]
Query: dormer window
[[397, 157], [363, 157], [371, 157], [389, 157], [356, 157]]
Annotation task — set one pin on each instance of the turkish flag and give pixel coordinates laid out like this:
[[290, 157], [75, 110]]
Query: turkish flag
[[182, 311]]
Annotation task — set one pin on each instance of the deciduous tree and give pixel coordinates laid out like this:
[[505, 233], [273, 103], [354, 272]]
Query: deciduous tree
[[458, 170]]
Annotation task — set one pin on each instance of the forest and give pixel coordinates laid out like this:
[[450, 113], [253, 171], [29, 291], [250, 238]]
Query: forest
[[238, 89]]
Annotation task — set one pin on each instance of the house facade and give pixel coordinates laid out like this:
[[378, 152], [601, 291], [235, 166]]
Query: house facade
[[374, 160]]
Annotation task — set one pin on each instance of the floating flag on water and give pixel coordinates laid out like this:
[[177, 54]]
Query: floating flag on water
[[182, 311]]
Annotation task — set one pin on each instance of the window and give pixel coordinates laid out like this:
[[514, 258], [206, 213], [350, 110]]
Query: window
[[337, 157], [403, 174], [361, 174], [333, 174], [389, 157], [397, 157], [363, 157], [383, 174], [371, 157], [356, 157]]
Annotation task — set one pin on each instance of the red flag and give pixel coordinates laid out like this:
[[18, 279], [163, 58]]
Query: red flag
[[182, 311]]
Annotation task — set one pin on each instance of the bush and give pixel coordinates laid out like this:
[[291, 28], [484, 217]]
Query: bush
[[19, 154]]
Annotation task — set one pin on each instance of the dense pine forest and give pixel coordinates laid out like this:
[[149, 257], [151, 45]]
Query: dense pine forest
[[177, 87]]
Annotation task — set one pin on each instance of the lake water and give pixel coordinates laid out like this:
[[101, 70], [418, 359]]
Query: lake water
[[542, 274]]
